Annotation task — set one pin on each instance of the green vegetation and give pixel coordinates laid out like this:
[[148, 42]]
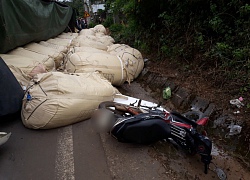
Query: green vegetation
[[206, 35]]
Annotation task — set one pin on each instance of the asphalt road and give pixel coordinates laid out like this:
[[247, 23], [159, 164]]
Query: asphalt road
[[71, 152], [74, 152]]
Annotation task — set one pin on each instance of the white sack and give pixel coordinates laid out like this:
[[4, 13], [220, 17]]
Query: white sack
[[86, 49], [58, 99], [23, 68], [106, 40], [91, 43], [60, 48], [109, 65], [100, 29], [83, 49], [132, 59], [60, 42], [94, 41], [99, 34], [45, 60], [116, 48], [53, 53], [86, 32], [90, 37], [68, 35]]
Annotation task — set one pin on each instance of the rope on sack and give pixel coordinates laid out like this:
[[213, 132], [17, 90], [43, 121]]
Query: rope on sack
[[30, 98], [63, 61], [66, 58], [121, 68], [138, 63]]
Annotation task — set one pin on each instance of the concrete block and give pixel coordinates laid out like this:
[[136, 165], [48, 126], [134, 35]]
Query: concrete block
[[200, 104], [210, 109], [157, 83], [151, 79], [181, 98]]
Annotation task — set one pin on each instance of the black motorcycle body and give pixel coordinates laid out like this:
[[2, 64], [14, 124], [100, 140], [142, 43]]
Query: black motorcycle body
[[132, 125]]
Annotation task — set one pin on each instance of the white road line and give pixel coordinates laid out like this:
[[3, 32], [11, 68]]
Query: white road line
[[64, 167]]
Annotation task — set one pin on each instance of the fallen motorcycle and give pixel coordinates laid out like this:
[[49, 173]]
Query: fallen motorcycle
[[147, 124]]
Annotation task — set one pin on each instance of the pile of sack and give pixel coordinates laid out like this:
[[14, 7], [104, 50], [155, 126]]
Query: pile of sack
[[66, 78]]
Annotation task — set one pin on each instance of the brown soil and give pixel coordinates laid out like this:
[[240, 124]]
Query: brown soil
[[176, 163], [203, 85]]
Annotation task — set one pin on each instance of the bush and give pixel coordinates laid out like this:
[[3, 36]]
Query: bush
[[215, 31]]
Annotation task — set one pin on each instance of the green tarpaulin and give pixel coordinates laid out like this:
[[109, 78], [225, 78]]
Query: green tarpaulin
[[24, 21]]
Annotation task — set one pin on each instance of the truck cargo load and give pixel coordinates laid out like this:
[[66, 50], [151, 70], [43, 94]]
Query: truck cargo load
[[24, 21]]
